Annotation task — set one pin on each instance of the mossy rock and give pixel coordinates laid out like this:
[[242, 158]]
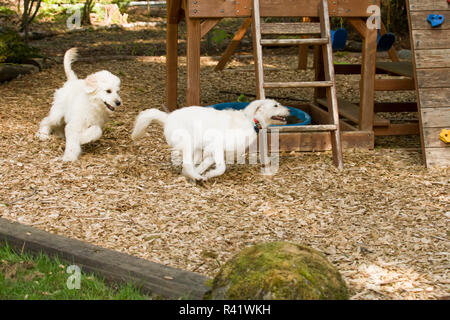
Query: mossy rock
[[278, 271]]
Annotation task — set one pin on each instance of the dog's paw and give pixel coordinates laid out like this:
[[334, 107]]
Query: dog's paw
[[42, 136], [201, 178], [69, 158], [194, 176]]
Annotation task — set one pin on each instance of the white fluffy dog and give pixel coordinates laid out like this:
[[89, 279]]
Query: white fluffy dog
[[198, 131], [80, 108]]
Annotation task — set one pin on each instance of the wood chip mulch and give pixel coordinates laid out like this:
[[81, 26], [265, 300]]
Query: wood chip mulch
[[383, 220]]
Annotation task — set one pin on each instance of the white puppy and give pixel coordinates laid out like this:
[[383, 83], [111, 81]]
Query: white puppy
[[198, 131], [80, 108]]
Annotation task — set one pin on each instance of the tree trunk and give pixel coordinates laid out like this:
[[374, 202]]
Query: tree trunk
[[86, 19]]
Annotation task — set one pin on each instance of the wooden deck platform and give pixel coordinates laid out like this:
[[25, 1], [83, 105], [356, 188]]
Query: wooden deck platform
[[431, 61]]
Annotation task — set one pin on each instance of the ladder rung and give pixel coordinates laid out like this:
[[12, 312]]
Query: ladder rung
[[307, 128], [305, 84], [290, 28], [293, 42]]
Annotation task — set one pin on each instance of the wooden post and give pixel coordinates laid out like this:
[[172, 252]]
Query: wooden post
[[303, 51], [173, 13], [257, 51], [319, 72], [368, 68], [193, 60], [303, 57], [367, 89]]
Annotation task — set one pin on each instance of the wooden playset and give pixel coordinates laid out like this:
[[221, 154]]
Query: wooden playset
[[358, 123], [430, 42]]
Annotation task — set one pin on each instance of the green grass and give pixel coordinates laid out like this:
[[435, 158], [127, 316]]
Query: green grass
[[23, 276]]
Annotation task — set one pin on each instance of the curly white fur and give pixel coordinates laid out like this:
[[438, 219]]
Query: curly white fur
[[198, 132], [80, 108]]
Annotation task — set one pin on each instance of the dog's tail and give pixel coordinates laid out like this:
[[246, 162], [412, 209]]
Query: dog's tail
[[144, 119], [69, 57]]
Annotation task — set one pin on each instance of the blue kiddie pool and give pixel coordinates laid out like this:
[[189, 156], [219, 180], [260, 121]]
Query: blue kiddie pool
[[303, 117]]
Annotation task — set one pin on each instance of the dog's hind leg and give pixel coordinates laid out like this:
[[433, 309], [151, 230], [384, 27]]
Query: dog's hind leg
[[73, 146], [219, 159], [206, 163], [198, 154], [90, 134], [188, 163], [54, 119]]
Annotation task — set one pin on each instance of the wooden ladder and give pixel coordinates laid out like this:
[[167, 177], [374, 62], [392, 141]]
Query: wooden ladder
[[321, 28]]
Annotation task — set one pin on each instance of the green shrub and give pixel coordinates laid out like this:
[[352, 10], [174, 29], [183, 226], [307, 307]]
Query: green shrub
[[122, 4], [6, 11], [14, 50]]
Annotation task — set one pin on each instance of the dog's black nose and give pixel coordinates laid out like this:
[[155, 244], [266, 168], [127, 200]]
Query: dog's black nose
[[117, 103]]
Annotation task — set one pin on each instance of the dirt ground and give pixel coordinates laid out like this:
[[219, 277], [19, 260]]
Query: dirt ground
[[383, 220]]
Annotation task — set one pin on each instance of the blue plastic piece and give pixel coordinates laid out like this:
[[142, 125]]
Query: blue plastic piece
[[339, 39], [303, 116], [436, 20], [385, 42]]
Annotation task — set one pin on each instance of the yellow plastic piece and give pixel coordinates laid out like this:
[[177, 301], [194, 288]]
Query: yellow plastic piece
[[445, 135]]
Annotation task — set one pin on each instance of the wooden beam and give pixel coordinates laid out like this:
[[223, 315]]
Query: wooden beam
[[394, 84], [279, 8], [308, 128], [207, 24], [398, 129], [401, 68], [395, 107], [359, 25], [153, 278], [321, 141], [233, 44], [347, 68], [304, 28]]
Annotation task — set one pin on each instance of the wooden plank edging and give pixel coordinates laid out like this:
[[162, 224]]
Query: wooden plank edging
[[152, 277]]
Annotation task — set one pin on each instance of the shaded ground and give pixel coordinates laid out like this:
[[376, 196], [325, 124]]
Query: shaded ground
[[383, 220]]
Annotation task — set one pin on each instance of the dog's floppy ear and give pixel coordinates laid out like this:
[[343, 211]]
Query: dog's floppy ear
[[253, 108], [91, 83]]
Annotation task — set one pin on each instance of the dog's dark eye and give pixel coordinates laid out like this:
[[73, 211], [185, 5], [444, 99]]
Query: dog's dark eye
[[275, 105], [108, 91]]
